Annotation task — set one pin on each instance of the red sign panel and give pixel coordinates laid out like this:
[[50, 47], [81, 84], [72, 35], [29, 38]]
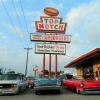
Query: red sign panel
[[35, 68]]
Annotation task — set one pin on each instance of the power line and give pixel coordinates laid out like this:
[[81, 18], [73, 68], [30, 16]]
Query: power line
[[19, 22], [25, 20], [12, 22], [70, 56], [24, 16]]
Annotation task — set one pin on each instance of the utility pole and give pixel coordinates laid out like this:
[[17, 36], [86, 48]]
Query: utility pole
[[27, 59]]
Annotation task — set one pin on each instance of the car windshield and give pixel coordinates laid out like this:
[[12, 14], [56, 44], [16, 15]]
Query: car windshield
[[30, 78], [78, 77], [10, 77], [45, 76], [65, 76]]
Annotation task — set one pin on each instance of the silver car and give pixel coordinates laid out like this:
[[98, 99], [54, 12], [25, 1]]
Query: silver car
[[12, 84]]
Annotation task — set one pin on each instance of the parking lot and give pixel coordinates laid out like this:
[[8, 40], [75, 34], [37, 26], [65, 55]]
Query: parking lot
[[48, 95]]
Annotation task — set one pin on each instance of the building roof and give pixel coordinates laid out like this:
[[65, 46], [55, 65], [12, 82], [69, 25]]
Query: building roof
[[91, 54]]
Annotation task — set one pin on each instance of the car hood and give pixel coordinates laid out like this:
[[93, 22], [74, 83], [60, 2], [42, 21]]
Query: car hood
[[90, 81], [8, 81], [30, 81], [47, 80]]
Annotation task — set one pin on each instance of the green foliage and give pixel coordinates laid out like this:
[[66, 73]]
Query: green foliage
[[11, 72], [45, 71], [0, 71], [52, 72]]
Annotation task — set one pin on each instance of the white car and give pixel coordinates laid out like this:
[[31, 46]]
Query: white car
[[12, 84]]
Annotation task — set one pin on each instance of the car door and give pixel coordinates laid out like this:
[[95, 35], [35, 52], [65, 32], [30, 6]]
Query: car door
[[23, 83]]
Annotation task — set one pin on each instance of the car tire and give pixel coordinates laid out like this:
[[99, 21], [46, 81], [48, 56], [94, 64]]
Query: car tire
[[19, 90], [77, 91], [36, 92], [29, 86]]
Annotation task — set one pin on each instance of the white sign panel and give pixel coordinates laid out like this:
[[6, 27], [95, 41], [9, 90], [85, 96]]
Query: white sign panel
[[50, 48], [50, 38]]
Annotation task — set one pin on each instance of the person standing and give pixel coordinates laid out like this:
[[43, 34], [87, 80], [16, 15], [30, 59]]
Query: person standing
[[98, 74], [88, 74]]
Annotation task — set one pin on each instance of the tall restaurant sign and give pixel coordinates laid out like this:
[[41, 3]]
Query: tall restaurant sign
[[50, 24], [50, 48]]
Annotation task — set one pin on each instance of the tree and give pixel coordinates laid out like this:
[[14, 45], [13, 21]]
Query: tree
[[45, 71], [11, 72], [0, 71]]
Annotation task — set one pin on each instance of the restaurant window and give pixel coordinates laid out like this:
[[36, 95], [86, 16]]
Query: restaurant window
[[88, 65]]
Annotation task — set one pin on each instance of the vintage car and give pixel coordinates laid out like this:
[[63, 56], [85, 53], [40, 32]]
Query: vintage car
[[82, 86], [63, 76], [30, 80], [12, 84], [47, 84]]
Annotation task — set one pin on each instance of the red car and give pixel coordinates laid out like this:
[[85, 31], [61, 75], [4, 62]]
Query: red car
[[30, 80], [83, 86]]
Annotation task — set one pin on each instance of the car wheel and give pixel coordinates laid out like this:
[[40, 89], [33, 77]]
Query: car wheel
[[19, 90], [77, 91], [36, 92], [58, 91], [30, 86]]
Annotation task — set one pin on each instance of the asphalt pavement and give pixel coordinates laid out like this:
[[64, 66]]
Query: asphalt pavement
[[49, 95]]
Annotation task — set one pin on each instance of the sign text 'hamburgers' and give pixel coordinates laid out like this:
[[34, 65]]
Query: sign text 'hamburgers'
[[50, 38]]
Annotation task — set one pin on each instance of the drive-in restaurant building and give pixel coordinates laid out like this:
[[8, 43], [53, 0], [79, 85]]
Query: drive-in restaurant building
[[89, 60]]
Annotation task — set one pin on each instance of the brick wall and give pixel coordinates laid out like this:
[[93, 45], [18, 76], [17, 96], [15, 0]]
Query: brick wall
[[96, 64], [79, 71]]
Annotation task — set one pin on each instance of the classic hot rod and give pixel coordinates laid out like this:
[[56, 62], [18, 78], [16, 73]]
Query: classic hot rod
[[83, 86], [47, 84]]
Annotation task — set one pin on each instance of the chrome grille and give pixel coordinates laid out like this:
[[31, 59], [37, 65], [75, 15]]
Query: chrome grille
[[4, 86], [47, 84]]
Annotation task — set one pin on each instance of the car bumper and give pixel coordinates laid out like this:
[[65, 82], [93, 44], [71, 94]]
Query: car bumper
[[89, 92], [7, 92], [48, 88]]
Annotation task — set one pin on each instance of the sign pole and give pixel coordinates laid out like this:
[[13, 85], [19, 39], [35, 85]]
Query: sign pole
[[43, 61], [51, 24], [56, 64], [50, 61]]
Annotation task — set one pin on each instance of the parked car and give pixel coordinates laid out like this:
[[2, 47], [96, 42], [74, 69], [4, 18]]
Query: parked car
[[47, 84], [64, 76], [12, 84], [83, 86], [30, 80]]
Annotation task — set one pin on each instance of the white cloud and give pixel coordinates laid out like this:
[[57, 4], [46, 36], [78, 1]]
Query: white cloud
[[51, 3], [1, 33], [14, 29], [3, 1], [27, 13], [16, 0], [83, 13], [4, 37], [92, 31], [3, 50]]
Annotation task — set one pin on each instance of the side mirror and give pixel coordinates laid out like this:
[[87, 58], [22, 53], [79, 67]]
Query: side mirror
[[24, 79]]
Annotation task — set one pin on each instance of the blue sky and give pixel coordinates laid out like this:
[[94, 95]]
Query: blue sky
[[82, 16]]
